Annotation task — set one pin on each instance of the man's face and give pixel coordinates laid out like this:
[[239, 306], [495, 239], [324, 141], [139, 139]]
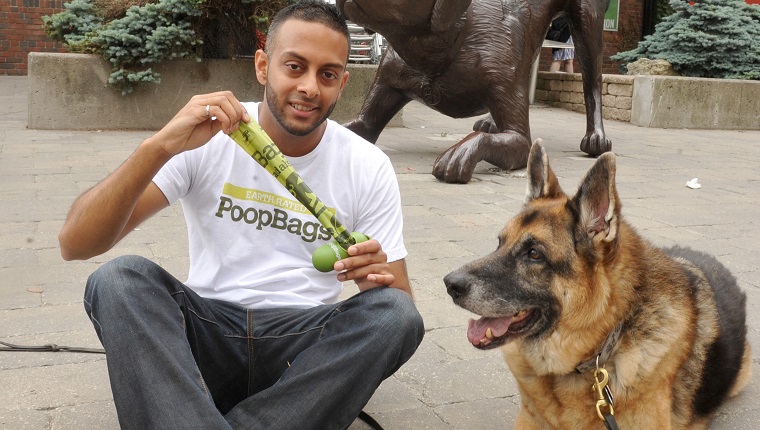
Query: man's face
[[304, 75]]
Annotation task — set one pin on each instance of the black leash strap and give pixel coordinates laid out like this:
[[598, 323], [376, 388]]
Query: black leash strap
[[610, 423], [370, 421], [48, 348]]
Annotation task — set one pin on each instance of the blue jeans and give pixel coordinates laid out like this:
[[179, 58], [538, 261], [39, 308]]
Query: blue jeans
[[179, 361]]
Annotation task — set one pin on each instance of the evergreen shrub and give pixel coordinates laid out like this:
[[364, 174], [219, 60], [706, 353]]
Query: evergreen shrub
[[709, 39], [135, 35]]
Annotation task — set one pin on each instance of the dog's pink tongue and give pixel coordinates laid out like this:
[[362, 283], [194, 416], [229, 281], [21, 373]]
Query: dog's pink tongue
[[476, 331]]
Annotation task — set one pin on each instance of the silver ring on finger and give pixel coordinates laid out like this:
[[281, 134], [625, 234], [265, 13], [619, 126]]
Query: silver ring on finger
[[208, 108]]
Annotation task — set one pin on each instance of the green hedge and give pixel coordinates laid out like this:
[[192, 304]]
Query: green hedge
[[134, 41], [710, 39]]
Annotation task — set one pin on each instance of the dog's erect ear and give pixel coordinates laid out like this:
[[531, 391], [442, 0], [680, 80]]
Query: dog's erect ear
[[446, 13], [597, 200], [542, 182]]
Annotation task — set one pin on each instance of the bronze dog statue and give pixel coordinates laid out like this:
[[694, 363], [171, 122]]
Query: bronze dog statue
[[470, 57]]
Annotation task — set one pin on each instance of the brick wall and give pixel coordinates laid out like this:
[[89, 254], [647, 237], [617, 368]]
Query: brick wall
[[630, 23], [21, 32], [565, 90]]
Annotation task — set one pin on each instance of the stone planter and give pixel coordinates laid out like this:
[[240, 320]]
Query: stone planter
[[661, 101], [70, 91], [701, 103]]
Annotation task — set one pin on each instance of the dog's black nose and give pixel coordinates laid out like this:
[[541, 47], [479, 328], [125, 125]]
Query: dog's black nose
[[457, 284]]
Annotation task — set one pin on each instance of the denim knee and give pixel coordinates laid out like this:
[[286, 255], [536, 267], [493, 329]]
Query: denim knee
[[113, 271], [114, 281], [407, 311], [399, 309]]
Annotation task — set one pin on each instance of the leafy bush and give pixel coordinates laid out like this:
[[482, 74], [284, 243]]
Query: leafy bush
[[661, 10], [72, 26], [145, 36], [711, 39], [135, 35]]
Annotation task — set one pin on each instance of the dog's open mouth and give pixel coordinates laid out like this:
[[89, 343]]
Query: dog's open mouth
[[487, 333]]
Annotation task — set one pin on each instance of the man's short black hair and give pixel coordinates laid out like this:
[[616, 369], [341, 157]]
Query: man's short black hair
[[310, 11]]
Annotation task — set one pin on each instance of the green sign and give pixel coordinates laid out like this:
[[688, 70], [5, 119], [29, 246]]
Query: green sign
[[611, 16]]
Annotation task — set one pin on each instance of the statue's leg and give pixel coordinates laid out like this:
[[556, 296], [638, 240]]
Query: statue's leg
[[507, 150], [588, 20], [381, 104], [485, 124]]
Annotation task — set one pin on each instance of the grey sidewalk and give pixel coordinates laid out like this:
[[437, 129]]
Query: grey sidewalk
[[447, 384]]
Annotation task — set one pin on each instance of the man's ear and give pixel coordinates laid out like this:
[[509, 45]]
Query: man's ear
[[260, 63], [343, 83]]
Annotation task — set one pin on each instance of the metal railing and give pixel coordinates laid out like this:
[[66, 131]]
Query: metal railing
[[365, 47]]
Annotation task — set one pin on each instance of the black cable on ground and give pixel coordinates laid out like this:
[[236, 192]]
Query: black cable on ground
[[60, 348], [48, 348]]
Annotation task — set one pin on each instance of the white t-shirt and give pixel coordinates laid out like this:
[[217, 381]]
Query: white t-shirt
[[251, 241]]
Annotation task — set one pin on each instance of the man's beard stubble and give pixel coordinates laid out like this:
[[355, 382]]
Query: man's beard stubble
[[273, 101]]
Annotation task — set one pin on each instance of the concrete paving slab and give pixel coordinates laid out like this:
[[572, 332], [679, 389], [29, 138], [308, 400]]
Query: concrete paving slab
[[447, 384]]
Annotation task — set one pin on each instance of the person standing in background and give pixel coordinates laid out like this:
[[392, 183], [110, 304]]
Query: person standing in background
[[562, 58]]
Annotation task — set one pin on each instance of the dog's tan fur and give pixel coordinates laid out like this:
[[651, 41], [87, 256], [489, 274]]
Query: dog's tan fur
[[594, 272]]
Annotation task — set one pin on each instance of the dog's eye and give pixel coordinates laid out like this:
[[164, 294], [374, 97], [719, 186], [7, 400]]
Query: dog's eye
[[533, 254]]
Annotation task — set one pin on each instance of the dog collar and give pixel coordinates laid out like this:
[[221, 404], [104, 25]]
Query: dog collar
[[604, 353]]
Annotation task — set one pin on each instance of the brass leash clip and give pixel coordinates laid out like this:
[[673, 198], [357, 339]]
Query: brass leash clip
[[604, 398], [603, 403]]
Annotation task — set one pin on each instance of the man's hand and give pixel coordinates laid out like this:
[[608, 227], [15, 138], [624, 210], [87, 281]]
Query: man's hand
[[367, 265], [199, 120], [107, 212]]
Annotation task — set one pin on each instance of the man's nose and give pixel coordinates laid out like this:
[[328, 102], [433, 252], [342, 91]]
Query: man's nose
[[309, 85]]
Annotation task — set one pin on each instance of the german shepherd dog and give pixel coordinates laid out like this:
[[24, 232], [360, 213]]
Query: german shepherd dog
[[596, 323]]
